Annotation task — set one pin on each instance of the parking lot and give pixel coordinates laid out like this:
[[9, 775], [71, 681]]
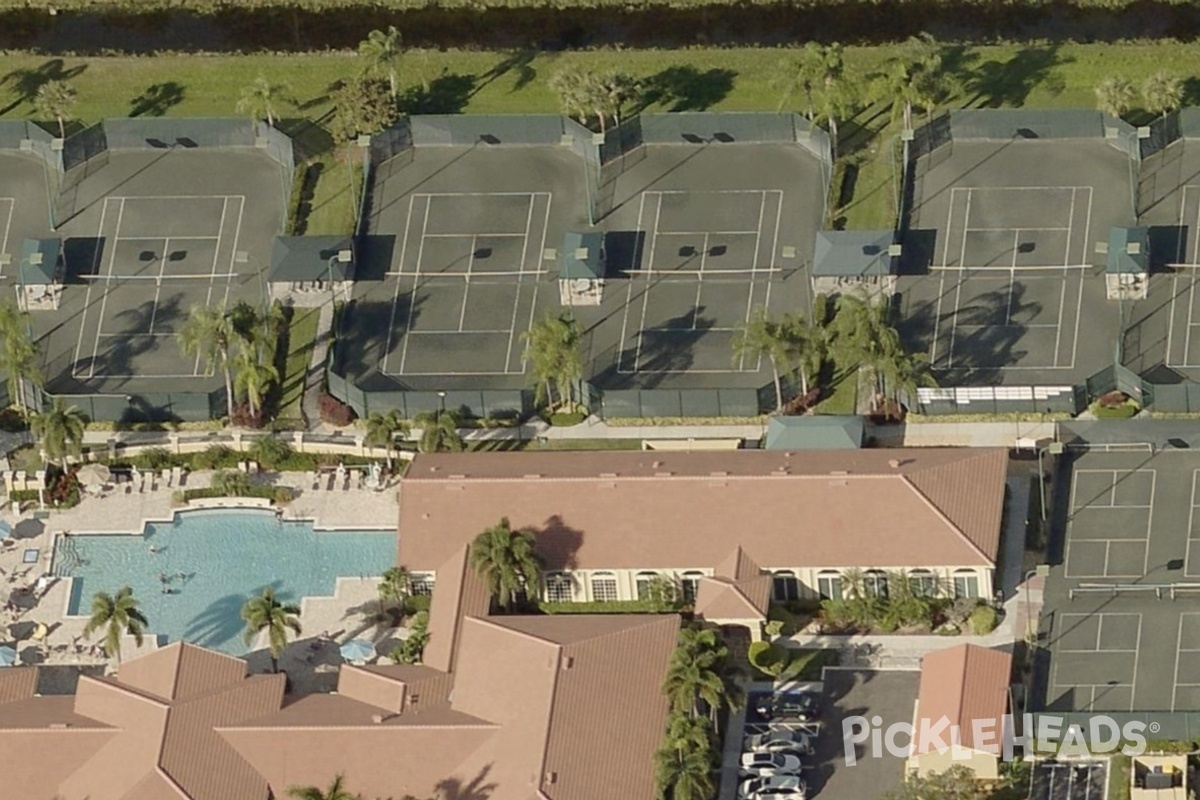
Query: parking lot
[[1078, 780], [844, 693]]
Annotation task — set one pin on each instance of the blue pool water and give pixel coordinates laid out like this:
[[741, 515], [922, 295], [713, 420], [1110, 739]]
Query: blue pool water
[[213, 561]]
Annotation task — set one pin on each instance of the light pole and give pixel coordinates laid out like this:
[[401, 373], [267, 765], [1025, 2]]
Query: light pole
[[343, 256], [1054, 449], [441, 404]]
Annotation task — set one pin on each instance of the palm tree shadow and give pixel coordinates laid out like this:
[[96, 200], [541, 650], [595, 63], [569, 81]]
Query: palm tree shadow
[[478, 788], [25, 83], [685, 88], [1008, 83], [218, 623]]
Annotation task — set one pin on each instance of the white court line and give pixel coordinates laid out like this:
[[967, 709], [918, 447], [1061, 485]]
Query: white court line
[[473, 236], [1005, 269], [453, 332], [1012, 278], [1062, 295], [87, 301], [641, 336], [699, 284], [512, 323], [1178, 639], [717, 233], [112, 256], [403, 249], [476, 277], [962, 259], [462, 316], [12, 205], [1137, 654], [416, 282], [174, 238], [629, 289], [1023, 228], [537, 284]]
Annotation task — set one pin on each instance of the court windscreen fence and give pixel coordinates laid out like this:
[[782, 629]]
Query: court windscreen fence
[[147, 406], [476, 404], [616, 403], [26, 137]]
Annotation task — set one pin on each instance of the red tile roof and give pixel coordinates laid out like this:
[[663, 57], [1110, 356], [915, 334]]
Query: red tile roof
[[962, 684]]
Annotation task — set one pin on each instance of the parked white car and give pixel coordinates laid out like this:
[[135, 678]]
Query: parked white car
[[773, 787], [780, 741], [770, 763]]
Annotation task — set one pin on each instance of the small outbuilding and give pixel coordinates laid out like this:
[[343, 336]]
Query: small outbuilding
[[39, 274], [1127, 267], [1159, 777], [311, 265], [581, 269], [815, 432], [862, 263]]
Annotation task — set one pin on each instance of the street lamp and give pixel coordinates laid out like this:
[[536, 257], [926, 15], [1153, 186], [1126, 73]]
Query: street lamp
[[442, 403], [343, 256], [1054, 449]]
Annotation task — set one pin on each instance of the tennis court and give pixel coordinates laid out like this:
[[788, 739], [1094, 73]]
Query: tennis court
[[708, 261], [155, 250], [24, 207], [1001, 280], [152, 235], [1120, 622]]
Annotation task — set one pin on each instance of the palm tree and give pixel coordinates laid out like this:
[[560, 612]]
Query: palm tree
[[701, 671], [614, 89], [383, 50], [394, 587], [253, 377], [759, 337], [210, 334], [382, 430], [684, 775], [116, 615], [261, 99], [817, 66], [1163, 93], [1115, 95], [60, 430], [552, 347], [336, 791], [505, 560], [574, 93], [439, 433], [265, 612], [18, 353], [55, 99], [805, 345], [833, 103]]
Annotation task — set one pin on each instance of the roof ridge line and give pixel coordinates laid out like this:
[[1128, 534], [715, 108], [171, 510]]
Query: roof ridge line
[[962, 536]]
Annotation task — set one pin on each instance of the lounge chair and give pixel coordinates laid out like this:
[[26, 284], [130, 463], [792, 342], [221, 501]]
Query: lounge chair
[[166, 478], [177, 476], [310, 481]]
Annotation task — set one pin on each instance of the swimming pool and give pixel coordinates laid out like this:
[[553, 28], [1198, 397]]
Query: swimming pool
[[212, 561]]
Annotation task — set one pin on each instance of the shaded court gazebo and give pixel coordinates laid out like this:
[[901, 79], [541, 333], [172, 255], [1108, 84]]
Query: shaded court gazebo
[[312, 265], [1127, 263], [581, 269], [39, 278], [861, 263]]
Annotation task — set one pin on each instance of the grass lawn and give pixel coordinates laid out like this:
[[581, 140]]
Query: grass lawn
[[844, 396], [335, 198], [302, 335], [809, 662]]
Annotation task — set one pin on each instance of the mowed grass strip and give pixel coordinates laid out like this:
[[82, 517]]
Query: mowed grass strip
[[302, 336]]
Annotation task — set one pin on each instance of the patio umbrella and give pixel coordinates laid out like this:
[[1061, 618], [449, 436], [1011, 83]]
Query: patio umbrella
[[8, 656], [5, 529], [357, 650], [94, 475]]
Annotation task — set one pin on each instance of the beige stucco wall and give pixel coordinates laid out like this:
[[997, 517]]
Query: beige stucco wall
[[985, 765]]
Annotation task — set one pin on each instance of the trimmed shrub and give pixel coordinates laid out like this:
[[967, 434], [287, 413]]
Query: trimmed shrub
[[415, 603], [983, 620], [154, 458], [215, 456], [243, 417], [334, 411], [768, 658], [270, 451]]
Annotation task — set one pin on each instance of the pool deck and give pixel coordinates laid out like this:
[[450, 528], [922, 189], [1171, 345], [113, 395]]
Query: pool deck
[[310, 661]]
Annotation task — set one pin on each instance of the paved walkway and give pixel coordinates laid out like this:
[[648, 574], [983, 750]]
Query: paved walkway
[[316, 367]]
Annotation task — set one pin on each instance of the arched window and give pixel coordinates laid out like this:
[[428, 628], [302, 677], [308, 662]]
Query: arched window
[[690, 583], [604, 587], [966, 583], [922, 583], [559, 587], [875, 583], [829, 584], [784, 586], [645, 582]]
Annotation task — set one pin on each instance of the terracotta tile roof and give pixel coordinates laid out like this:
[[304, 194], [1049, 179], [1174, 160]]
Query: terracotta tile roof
[[17, 683], [459, 593], [156, 786], [649, 510], [723, 599], [962, 684], [180, 670], [395, 687]]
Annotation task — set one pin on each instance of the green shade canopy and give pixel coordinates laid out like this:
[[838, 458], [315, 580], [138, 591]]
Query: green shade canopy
[[853, 254], [1128, 251], [820, 432], [581, 256], [39, 261], [310, 258]]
